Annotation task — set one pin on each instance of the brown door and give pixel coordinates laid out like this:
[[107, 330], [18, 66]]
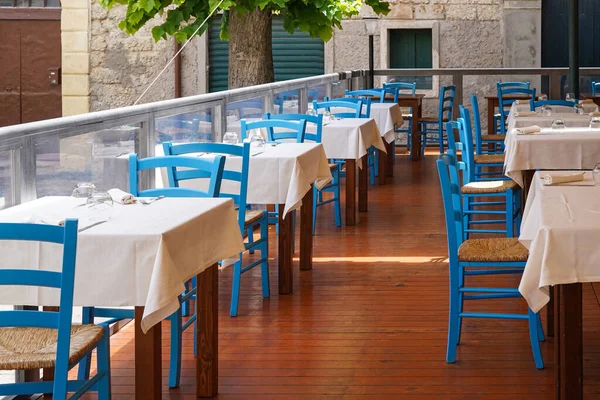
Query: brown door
[[28, 49]]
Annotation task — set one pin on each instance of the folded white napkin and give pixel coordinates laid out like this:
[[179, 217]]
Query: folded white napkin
[[525, 114], [528, 130], [46, 220], [121, 197], [555, 178]]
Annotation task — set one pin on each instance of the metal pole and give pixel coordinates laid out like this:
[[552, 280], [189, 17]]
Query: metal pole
[[574, 47], [371, 63]]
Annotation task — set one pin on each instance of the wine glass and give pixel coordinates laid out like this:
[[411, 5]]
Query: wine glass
[[312, 112], [83, 190], [327, 117], [543, 97], [558, 123], [570, 97], [230, 138], [579, 109], [100, 201], [546, 110], [595, 123], [256, 138], [596, 173]]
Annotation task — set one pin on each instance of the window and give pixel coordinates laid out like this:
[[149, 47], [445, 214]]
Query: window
[[411, 48]]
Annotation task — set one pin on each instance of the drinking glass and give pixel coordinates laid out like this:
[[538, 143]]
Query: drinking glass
[[327, 117], [570, 97], [558, 124], [83, 190], [256, 138], [312, 111], [596, 173], [230, 138], [99, 201], [543, 97], [546, 110], [595, 123], [579, 109]]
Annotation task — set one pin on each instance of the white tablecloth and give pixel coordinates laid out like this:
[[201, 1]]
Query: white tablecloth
[[281, 174], [141, 256], [387, 116], [349, 138], [568, 148], [561, 229]]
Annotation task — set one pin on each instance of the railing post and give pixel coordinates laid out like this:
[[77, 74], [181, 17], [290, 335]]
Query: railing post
[[27, 170], [457, 80], [219, 122], [303, 100], [269, 98], [146, 144], [15, 176], [554, 86]]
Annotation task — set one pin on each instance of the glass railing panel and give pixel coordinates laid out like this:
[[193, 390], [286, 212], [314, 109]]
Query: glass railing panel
[[188, 127], [99, 157], [286, 102], [6, 176], [251, 109]]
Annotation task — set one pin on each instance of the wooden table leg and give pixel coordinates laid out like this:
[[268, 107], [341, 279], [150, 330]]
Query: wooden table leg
[[363, 185], [382, 166], [389, 167], [350, 192], [569, 364], [490, 115], [306, 237], [286, 235], [207, 333], [148, 374], [415, 147]]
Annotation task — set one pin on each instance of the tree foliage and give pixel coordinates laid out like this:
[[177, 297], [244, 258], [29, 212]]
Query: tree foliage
[[317, 17]]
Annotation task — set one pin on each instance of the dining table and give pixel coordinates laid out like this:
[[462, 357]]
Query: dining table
[[282, 174], [349, 139], [388, 117], [561, 230], [137, 256], [493, 103]]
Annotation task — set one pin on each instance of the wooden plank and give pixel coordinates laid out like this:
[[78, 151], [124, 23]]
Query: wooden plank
[[207, 361], [286, 236], [306, 236], [570, 336], [363, 185], [383, 164], [350, 192], [148, 376]]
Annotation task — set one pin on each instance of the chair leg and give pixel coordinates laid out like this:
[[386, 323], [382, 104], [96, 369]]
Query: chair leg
[[535, 340], [277, 219], [264, 254], [250, 241], [441, 138], [518, 210], [337, 208], [541, 335], [461, 301], [235, 287], [453, 320], [83, 371], [176, 337], [372, 163], [103, 365], [510, 222], [185, 306], [314, 216]]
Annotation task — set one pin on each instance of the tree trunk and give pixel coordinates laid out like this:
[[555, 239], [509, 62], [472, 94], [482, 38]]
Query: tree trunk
[[250, 55]]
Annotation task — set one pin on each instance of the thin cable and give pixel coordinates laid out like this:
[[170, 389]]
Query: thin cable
[[177, 54], [595, 295]]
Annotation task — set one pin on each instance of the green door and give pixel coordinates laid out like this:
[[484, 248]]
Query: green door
[[294, 56], [411, 48]]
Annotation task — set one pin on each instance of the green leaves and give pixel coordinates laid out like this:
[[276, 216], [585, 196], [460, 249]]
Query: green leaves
[[317, 17]]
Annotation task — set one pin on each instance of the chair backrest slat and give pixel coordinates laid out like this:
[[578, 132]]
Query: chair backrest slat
[[19, 277], [509, 89], [533, 104], [446, 102], [348, 103], [30, 318], [236, 175], [367, 94], [317, 120], [466, 138], [290, 129], [477, 124]]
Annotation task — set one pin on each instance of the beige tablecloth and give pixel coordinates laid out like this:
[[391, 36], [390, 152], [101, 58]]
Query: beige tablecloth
[[561, 229], [280, 174], [349, 138], [141, 256]]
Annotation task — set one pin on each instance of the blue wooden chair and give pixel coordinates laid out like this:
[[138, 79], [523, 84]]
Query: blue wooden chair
[[595, 88], [483, 142], [507, 89], [27, 336], [354, 107], [334, 186], [486, 192], [248, 220], [367, 94], [213, 171], [478, 257], [533, 104], [396, 89], [479, 162], [277, 129], [435, 125]]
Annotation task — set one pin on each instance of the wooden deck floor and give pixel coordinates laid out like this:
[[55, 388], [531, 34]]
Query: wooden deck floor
[[369, 321]]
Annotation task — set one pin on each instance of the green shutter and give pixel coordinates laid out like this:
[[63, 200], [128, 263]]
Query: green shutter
[[411, 48], [294, 56]]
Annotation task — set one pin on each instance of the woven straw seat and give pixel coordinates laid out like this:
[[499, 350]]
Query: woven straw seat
[[253, 216], [492, 250], [488, 187], [493, 138], [431, 119], [489, 159], [31, 348]]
